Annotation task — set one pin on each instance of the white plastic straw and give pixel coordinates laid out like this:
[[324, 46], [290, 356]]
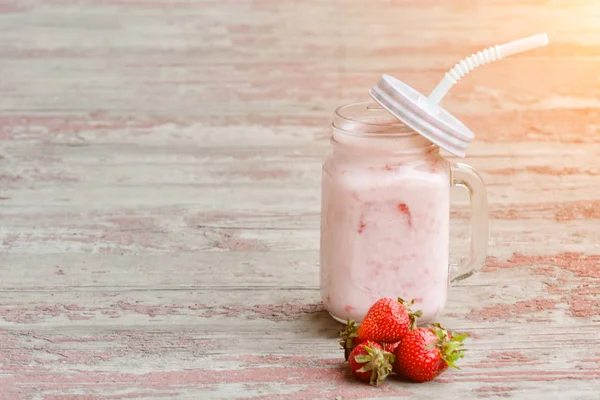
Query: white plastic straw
[[488, 55]]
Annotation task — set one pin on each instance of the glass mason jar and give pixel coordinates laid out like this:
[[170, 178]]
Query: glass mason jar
[[385, 217]]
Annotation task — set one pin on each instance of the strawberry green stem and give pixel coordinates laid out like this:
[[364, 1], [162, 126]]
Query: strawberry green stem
[[413, 315], [348, 338], [449, 344]]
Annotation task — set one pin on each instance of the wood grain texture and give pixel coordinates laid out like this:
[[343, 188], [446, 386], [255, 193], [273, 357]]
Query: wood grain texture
[[159, 194]]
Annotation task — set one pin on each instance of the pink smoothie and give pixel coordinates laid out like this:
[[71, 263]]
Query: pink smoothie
[[384, 227]]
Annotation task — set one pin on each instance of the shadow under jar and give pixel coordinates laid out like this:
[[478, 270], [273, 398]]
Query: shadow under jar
[[385, 216]]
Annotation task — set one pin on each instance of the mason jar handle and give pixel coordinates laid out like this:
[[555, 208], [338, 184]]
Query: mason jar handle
[[466, 177]]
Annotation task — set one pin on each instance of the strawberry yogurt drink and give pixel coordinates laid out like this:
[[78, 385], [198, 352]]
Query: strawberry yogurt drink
[[385, 215]]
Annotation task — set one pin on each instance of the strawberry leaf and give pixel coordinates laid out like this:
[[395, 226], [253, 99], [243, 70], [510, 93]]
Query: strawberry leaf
[[440, 334], [450, 363], [460, 338], [370, 351], [365, 368], [363, 358]]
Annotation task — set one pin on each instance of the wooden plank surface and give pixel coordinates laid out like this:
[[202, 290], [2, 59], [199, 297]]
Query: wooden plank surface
[[159, 194]]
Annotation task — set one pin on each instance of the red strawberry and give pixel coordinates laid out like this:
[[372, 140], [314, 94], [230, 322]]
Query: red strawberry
[[388, 320], [391, 347], [350, 340], [424, 353], [370, 363]]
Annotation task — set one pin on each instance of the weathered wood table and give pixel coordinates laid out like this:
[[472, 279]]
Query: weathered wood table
[[160, 194]]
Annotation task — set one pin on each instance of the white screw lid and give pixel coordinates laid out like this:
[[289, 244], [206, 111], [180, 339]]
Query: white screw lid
[[427, 118]]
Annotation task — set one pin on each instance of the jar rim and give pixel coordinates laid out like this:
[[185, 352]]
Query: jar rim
[[368, 119]]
